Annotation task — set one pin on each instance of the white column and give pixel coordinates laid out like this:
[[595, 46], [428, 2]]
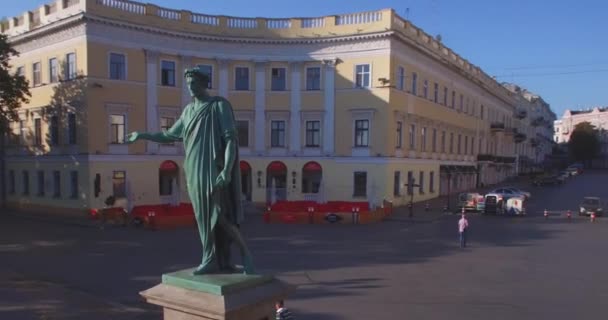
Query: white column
[[296, 102], [152, 121], [260, 106], [186, 64], [329, 106], [223, 77]]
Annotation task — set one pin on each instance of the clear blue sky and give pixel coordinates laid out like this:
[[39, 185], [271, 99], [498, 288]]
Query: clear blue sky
[[557, 48]]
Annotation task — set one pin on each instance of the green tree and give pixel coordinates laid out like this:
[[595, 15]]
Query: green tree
[[14, 90], [584, 144]]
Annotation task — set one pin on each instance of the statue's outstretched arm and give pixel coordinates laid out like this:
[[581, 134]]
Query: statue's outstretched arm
[[173, 134]]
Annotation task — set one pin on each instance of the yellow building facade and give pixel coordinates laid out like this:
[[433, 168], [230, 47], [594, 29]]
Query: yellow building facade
[[347, 107]]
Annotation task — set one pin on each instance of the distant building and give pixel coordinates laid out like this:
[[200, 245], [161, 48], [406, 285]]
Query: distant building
[[597, 116]]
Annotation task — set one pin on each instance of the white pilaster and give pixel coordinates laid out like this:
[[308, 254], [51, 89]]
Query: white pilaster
[[223, 77], [296, 102], [260, 105], [329, 106], [152, 121]]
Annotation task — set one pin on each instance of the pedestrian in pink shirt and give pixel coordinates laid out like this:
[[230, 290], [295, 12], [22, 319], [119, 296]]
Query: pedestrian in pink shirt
[[463, 225]]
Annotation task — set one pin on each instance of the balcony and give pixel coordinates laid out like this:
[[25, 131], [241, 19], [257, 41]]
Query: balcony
[[505, 159], [521, 114], [538, 121], [497, 126], [485, 157], [519, 137]]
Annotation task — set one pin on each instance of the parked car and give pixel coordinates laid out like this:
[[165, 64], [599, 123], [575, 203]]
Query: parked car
[[591, 205], [509, 192], [493, 204], [516, 206], [470, 201], [573, 171], [518, 191]]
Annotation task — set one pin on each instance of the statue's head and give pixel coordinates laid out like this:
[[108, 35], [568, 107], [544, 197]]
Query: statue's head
[[197, 81]]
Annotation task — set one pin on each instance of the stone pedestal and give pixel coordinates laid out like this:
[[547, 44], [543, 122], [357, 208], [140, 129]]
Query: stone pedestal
[[184, 296]]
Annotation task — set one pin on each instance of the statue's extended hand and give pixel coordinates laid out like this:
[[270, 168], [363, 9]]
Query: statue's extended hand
[[223, 179], [132, 137]]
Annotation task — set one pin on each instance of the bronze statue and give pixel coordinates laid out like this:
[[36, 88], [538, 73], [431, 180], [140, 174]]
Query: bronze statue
[[211, 163]]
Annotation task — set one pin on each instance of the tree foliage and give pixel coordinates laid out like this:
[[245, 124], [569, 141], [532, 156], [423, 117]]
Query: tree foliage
[[584, 142], [14, 88]]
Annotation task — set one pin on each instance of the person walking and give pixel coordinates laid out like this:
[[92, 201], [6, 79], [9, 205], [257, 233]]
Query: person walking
[[463, 225]]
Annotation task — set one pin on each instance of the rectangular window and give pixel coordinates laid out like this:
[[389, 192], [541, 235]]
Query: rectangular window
[[278, 79], [421, 182], [36, 77], [399, 137], [466, 145], [453, 98], [70, 70], [442, 141], [410, 182], [118, 66], [119, 189], [481, 112], [117, 128], [53, 70], [461, 108], [11, 182], [413, 137], [56, 184], [241, 78], [25, 175], [167, 73], [414, 83], [277, 134], [38, 132], [425, 89], [72, 128], [54, 130], [459, 140], [451, 143], [20, 71], [74, 184], [363, 76], [40, 192], [207, 70], [361, 133], [397, 184], [472, 145], [165, 124], [242, 127], [436, 93], [432, 182], [466, 106], [360, 184], [423, 138], [313, 78], [434, 143], [401, 78], [445, 96], [313, 134]]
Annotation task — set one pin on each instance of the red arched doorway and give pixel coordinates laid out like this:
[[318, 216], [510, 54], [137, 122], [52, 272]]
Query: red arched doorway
[[168, 186], [276, 181], [312, 174], [246, 178]]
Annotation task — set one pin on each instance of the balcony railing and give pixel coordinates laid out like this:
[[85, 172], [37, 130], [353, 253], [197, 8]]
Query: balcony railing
[[521, 114], [497, 126], [486, 157], [519, 137]]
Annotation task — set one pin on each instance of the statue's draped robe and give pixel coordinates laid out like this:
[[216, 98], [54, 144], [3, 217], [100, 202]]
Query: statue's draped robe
[[205, 128]]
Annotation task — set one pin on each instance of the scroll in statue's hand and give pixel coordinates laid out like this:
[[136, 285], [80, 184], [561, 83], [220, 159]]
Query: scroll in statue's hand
[[132, 137], [223, 179]]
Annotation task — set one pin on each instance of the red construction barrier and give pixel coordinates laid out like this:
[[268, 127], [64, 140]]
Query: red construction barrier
[[333, 212], [164, 216]]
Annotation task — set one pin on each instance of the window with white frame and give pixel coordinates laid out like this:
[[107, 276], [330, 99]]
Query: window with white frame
[[434, 142], [360, 184], [361, 133], [313, 134], [363, 75], [278, 79], [453, 99], [36, 76], [399, 133], [412, 136], [432, 182], [118, 66], [410, 182], [20, 71], [70, 66], [119, 184], [445, 96], [277, 134], [414, 83], [53, 70], [117, 128], [436, 92], [397, 184], [207, 70], [425, 89], [241, 78], [167, 73], [313, 78], [242, 128], [442, 141], [401, 78]]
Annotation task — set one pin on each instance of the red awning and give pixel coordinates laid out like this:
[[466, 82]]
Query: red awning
[[312, 166], [244, 166], [277, 166], [168, 166]]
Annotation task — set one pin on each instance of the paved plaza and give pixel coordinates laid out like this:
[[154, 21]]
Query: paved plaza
[[514, 268]]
